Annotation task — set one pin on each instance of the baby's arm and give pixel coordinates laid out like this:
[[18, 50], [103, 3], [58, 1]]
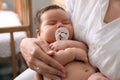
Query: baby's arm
[[63, 44], [70, 54], [67, 48]]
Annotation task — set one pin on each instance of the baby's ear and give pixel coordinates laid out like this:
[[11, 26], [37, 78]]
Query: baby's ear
[[38, 32]]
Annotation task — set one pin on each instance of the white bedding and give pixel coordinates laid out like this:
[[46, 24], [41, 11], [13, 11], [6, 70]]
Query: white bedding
[[28, 74], [7, 19]]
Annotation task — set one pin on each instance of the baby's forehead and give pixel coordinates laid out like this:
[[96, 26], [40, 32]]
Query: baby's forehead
[[55, 13], [55, 10]]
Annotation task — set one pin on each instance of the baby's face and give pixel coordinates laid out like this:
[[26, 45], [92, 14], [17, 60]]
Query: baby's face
[[51, 20]]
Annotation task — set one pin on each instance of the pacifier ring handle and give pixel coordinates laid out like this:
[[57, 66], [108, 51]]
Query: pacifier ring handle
[[62, 34]]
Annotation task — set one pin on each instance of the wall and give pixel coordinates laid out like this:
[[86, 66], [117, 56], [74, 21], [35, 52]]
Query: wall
[[9, 4]]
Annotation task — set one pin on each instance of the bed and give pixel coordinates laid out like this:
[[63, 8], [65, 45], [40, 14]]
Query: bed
[[14, 26]]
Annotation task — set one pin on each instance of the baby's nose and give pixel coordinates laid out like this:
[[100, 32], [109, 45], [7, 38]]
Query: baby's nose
[[60, 25]]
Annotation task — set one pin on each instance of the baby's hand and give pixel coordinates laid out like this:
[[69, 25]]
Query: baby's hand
[[58, 45]]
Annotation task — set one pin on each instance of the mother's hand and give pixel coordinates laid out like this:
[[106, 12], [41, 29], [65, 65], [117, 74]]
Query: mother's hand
[[34, 52]]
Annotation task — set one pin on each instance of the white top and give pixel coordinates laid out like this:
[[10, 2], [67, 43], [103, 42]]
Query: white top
[[103, 40]]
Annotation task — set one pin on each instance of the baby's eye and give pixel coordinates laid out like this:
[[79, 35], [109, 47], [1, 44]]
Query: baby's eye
[[66, 22], [51, 23]]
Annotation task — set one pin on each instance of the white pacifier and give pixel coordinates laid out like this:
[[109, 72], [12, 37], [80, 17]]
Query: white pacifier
[[62, 34]]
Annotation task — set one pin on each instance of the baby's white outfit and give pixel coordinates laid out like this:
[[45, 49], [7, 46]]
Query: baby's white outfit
[[102, 39]]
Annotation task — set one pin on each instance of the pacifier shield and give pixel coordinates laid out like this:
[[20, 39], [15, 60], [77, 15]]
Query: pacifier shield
[[62, 34]]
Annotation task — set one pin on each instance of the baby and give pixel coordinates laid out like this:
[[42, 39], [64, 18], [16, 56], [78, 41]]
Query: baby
[[55, 27]]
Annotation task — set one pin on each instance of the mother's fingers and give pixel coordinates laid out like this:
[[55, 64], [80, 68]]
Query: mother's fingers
[[42, 44], [45, 69], [52, 77], [40, 53], [49, 61], [40, 58], [48, 70]]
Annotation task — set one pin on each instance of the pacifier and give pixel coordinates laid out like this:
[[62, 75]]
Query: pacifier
[[62, 34]]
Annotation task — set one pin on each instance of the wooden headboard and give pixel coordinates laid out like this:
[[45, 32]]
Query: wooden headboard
[[0, 4], [22, 8]]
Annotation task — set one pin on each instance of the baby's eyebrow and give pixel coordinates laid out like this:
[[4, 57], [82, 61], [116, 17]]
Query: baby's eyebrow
[[67, 19], [51, 21]]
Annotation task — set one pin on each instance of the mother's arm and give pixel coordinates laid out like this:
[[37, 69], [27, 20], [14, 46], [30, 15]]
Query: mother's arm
[[34, 52]]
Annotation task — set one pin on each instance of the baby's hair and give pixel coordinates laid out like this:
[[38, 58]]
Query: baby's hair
[[44, 9]]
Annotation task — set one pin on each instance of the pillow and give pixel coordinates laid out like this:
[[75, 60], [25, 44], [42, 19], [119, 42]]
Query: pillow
[[8, 19]]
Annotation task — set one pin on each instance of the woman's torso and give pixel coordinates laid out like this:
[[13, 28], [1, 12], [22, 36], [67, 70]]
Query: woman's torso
[[89, 17]]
